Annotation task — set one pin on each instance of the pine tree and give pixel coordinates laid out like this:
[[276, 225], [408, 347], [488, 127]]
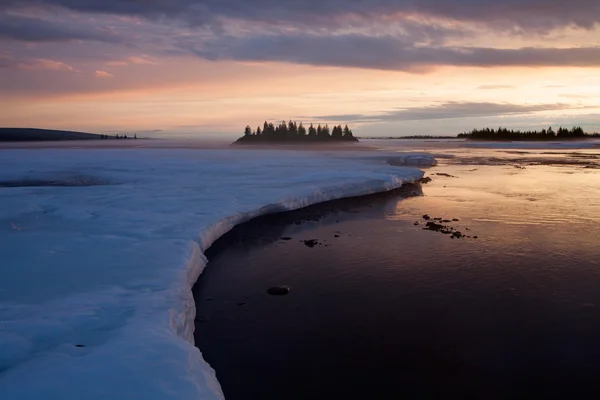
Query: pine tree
[[347, 131], [247, 131], [301, 130], [337, 131]]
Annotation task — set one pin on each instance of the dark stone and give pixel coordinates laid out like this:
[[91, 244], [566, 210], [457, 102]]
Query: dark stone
[[416, 223], [311, 243], [425, 180], [432, 226], [286, 238], [474, 237], [79, 345], [426, 217], [336, 235], [457, 235], [279, 290], [455, 219], [446, 220], [438, 219]]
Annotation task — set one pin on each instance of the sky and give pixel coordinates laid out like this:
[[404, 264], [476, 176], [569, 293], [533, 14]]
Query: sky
[[175, 68]]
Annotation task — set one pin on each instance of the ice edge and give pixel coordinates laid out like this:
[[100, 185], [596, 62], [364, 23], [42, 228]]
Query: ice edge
[[182, 320]]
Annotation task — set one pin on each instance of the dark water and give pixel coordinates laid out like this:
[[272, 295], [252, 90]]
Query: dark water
[[389, 310]]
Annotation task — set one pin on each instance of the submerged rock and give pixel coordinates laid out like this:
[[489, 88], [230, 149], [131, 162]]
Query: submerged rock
[[279, 290], [425, 180], [286, 238], [426, 217]]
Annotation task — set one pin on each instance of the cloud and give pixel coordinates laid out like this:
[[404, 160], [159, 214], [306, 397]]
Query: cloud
[[46, 64], [30, 29], [137, 60], [404, 35], [141, 60], [495, 87], [447, 110], [577, 96], [525, 15], [103, 74], [386, 53]]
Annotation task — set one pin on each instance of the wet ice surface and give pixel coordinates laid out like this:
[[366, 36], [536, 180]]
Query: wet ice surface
[[389, 310]]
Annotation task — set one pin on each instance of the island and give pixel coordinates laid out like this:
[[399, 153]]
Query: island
[[296, 133], [44, 135], [503, 134]]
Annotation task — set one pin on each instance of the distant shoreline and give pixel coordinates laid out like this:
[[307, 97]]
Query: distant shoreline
[[12, 135]]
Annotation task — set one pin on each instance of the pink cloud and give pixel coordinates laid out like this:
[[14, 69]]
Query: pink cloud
[[103, 74], [137, 60], [141, 60], [42, 63], [116, 63]]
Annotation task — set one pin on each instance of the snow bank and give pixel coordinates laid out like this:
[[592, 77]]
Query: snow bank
[[100, 249]]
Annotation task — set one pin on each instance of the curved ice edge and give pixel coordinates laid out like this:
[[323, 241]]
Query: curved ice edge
[[182, 318]]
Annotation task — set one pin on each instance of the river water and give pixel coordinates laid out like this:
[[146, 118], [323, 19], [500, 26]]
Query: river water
[[383, 308]]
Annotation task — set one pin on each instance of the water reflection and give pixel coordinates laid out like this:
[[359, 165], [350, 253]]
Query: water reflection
[[385, 309]]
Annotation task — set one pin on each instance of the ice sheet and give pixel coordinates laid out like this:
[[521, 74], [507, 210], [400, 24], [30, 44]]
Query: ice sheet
[[99, 250]]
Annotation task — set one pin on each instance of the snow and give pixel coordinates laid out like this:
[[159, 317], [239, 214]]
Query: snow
[[100, 249]]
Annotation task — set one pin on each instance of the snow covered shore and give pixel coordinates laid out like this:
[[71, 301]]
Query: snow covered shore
[[99, 250]]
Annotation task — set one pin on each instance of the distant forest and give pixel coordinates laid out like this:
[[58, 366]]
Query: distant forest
[[46, 135], [38, 135], [408, 137], [545, 134], [294, 132]]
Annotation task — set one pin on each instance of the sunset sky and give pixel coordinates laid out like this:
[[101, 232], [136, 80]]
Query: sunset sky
[[386, 67]]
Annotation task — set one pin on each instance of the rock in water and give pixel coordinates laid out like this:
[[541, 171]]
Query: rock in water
[[311, 243], [279, 290]]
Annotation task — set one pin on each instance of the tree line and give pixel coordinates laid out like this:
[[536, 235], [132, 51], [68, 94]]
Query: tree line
[[510, 134], [293, 131], [102, 137]]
